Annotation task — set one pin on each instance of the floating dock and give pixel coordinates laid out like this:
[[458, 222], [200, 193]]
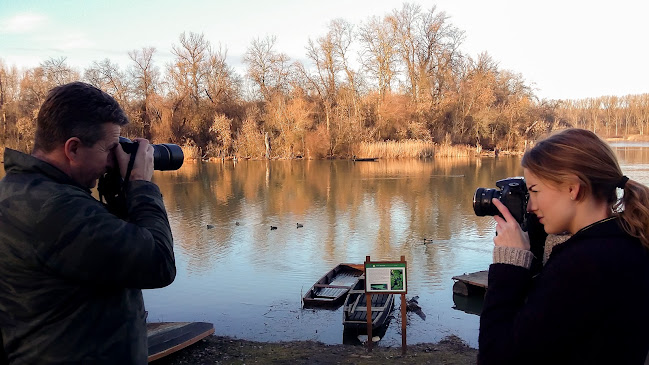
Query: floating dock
[[471, 284]]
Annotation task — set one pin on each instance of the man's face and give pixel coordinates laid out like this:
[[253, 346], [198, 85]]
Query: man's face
[[95, 160]]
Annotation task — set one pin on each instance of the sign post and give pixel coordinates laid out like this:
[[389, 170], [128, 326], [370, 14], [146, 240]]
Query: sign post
[[386, 277]]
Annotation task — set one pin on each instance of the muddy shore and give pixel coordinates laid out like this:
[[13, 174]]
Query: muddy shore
[[227, 350]]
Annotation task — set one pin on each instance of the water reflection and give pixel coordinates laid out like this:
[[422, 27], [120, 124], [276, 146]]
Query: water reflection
[[249, 280], [247, 273]]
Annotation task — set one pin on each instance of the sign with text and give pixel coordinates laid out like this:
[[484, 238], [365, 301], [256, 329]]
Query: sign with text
[[386, 277]]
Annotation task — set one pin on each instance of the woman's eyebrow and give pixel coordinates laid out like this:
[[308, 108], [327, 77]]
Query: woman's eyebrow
[[531, 186]]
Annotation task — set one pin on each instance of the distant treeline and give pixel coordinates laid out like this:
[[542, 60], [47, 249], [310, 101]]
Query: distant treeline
[[400, 77]]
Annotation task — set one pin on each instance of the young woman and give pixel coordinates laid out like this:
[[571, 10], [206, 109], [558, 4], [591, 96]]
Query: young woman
[[590, 302]]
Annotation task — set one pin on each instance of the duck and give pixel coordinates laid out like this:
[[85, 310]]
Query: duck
[[273, 228], [236, 223], [427, 240], [209, 226], [300, 225]]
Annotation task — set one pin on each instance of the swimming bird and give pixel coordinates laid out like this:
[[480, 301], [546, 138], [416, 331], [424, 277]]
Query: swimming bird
[[236, 223], [272, 228], [427, 240], [300, 225], [209, 226]]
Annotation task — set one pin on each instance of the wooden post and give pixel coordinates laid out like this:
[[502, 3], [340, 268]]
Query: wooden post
[[368, 314], [404, 318]]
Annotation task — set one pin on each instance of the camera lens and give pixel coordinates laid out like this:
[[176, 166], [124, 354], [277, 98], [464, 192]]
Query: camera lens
[[167, 156], [482, 204]]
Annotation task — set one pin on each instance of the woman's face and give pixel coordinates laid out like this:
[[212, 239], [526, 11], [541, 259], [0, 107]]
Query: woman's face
[[550, 203]]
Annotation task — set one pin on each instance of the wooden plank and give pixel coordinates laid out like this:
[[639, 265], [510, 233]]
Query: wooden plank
[[165, 338], [331, 286], [479, 278]]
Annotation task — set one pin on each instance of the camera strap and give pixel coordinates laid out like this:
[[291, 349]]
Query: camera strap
[[131, 162], [112, 188]]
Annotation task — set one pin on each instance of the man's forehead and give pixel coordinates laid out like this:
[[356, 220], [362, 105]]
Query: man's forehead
[[112, 130], [111, 134]]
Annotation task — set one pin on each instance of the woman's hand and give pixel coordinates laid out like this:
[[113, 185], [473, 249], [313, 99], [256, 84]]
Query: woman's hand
[[508, 232]]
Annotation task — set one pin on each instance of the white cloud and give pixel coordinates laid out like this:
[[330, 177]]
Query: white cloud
[[22, 23]]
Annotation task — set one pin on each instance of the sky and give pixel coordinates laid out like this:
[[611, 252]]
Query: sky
[[564, 49]]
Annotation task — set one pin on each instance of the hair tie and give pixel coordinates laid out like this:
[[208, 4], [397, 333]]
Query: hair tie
[[622, 182]]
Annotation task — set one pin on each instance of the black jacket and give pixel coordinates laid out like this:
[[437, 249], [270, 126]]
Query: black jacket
[[71, 273], [589, 304]]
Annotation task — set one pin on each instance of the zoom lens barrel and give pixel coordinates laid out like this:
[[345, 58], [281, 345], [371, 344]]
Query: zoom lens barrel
[[166, 156], [482, 204]]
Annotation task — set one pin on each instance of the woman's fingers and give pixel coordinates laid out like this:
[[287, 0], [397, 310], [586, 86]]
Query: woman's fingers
[[503, 210]]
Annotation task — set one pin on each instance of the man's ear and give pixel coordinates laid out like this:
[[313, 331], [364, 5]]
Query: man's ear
[[71, 148]]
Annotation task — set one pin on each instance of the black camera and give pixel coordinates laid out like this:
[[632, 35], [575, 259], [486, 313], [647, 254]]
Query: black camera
[[166, 156], [513, 194]]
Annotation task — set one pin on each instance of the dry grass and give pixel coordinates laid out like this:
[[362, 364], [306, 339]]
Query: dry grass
[[638, 137], [412, 149], [446, 150], [191, 152]]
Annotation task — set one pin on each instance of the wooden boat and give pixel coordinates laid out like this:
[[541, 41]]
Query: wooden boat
[[355, 308], [354, 158], [165, 338], [331, 289]]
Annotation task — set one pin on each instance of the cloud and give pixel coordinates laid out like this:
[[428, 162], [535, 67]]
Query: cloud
[[22, 23]]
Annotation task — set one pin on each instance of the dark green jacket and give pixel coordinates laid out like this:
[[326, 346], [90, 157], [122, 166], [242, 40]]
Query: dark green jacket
[[71, 273]]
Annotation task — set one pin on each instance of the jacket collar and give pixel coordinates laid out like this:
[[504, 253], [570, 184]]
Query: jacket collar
[[16, 162], [607, 227]]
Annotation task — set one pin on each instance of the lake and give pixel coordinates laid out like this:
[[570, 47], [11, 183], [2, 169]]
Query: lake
[[248, 279]]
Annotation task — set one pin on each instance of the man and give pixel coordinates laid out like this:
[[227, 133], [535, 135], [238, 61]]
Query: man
[[71, 273]]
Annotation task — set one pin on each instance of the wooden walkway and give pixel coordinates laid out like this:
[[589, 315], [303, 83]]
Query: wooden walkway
[[470, 284]]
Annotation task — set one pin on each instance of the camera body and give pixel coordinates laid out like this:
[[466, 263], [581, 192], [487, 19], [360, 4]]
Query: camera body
[[513, 194], [166, 156]]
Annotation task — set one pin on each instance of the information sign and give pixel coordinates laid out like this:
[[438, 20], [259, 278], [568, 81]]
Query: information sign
[[386, 277]]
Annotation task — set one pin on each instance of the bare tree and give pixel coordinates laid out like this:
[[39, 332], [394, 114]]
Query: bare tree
[[145, 80], [56, 72], [9, 97], [429, 48], [379, 52], [190, 69], [267, 68], [223, 84], [107, 76]]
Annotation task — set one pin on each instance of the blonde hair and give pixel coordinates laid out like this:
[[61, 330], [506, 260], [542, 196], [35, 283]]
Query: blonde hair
[[581, 153]]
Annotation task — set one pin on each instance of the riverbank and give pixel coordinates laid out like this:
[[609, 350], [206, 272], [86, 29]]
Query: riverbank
[[227, 350]]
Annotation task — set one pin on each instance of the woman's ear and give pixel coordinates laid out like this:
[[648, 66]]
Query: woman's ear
[[574, 188]]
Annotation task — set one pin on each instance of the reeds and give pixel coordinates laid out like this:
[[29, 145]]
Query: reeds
[[411, 149], [460, 150], [191, 152]]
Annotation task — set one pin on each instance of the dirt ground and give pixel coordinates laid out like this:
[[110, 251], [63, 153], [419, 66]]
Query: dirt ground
[[226, 350]]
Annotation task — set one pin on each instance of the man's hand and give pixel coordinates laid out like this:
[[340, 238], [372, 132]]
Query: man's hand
[[508, 232], [143, 164]]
